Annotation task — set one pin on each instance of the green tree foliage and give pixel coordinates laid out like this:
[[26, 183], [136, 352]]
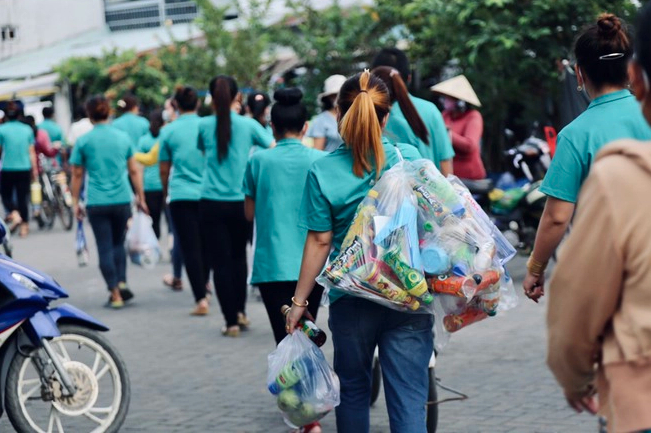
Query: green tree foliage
[[331, 41], [508, 49], [240, 50]]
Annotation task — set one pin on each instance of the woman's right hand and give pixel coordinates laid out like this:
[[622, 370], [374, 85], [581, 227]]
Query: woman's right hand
[[292, 318], [80, 212], [534, 286]]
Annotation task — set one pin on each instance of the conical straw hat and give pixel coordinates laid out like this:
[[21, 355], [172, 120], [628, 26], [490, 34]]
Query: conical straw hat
[[458, 87]]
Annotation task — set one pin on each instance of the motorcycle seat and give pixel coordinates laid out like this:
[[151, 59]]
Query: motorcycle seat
[[481, 186]]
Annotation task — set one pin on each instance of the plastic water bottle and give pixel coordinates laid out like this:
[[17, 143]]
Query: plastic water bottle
[[308, 327], [82, 257]]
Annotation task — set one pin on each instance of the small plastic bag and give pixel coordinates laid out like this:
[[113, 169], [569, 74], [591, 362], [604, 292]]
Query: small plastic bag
[[81, 245], [299, 376], [141, 241]]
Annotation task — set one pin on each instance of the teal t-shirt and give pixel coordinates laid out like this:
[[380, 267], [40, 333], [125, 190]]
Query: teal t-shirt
[[439, 147], [332, 193], [135, 126], [151, 177], [53, 130], [178, 145], [15, 139], [397, 130], [275, 179], [608, 118], [104, 153], [222, 181]]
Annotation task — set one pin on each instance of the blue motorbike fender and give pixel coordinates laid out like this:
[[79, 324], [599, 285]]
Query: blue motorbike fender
[[66, 313], [45, 324]]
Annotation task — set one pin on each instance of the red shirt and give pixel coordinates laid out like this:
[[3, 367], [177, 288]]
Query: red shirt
[[466, 131]]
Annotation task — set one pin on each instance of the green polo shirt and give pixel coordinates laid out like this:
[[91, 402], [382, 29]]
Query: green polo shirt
[[135, 126], [222, 181], [439, 147], [608, 118], [53, 130], [15, 139], [104, 153], [275, 179], [178, 145], [151, 178], [332, 193]]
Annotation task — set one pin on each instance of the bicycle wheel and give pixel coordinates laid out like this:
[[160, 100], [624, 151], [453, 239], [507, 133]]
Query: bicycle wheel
[[432, 409], [376, 383]]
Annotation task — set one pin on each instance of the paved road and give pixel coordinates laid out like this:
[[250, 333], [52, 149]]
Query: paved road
[[186, 377]]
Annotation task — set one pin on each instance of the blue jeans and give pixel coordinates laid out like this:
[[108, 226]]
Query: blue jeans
[[405, 345], [109, 225]]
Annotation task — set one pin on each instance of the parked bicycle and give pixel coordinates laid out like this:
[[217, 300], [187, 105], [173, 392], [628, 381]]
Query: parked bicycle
[[57, 199]]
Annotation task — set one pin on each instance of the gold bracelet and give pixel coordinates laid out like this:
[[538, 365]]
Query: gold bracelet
[[535, 267], [295, 302]]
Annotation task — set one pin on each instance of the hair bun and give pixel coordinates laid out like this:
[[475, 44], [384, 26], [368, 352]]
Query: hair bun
[[609, 25], [290, 96]]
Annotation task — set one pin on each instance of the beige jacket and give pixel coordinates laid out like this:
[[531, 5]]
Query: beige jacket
[[599, 317]]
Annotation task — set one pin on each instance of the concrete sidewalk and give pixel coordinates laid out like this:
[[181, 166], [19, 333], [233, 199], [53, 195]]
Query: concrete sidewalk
[[186, 377]]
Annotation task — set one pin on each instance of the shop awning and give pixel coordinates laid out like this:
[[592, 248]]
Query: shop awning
[[38, 86]]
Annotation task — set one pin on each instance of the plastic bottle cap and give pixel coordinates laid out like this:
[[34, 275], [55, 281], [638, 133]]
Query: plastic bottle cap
[[435, 260], [274, 388]]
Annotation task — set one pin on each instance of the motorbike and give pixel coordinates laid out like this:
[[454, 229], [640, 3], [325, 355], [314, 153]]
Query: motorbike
[[517, 206], [57, 198], [57, 372]]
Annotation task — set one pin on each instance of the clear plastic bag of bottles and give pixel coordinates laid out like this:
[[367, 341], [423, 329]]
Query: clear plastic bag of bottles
[[305, 387], [420, 243]]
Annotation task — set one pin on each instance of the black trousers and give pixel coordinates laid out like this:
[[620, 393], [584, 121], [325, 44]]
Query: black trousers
[[279, 293], [155, 203], [16, 182], [185, 215], [225, 230]]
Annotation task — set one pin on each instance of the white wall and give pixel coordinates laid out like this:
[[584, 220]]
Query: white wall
[[43, 22]]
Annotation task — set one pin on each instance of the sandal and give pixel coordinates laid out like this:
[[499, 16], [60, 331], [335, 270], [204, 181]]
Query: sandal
[[173, 283], [233, 331], [200, 310], [125, 292], [24, 230], [243, 321], [14, 221]]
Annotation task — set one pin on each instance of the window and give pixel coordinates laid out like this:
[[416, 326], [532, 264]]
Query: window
[[139, 14]]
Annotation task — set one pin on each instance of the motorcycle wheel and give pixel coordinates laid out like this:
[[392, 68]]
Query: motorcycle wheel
[[432, 409], [99, 373], [65, 212]]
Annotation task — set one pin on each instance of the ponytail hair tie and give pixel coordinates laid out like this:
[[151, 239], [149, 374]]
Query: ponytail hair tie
[[363, 91]]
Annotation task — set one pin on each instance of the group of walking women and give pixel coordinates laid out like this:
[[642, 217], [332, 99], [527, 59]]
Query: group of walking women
[[303, 201]]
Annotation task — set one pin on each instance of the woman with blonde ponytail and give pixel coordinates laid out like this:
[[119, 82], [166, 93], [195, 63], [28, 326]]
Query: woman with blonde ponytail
[[335, 186]]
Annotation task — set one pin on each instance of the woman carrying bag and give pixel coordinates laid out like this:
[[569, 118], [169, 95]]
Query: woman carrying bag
[[336, 184]]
